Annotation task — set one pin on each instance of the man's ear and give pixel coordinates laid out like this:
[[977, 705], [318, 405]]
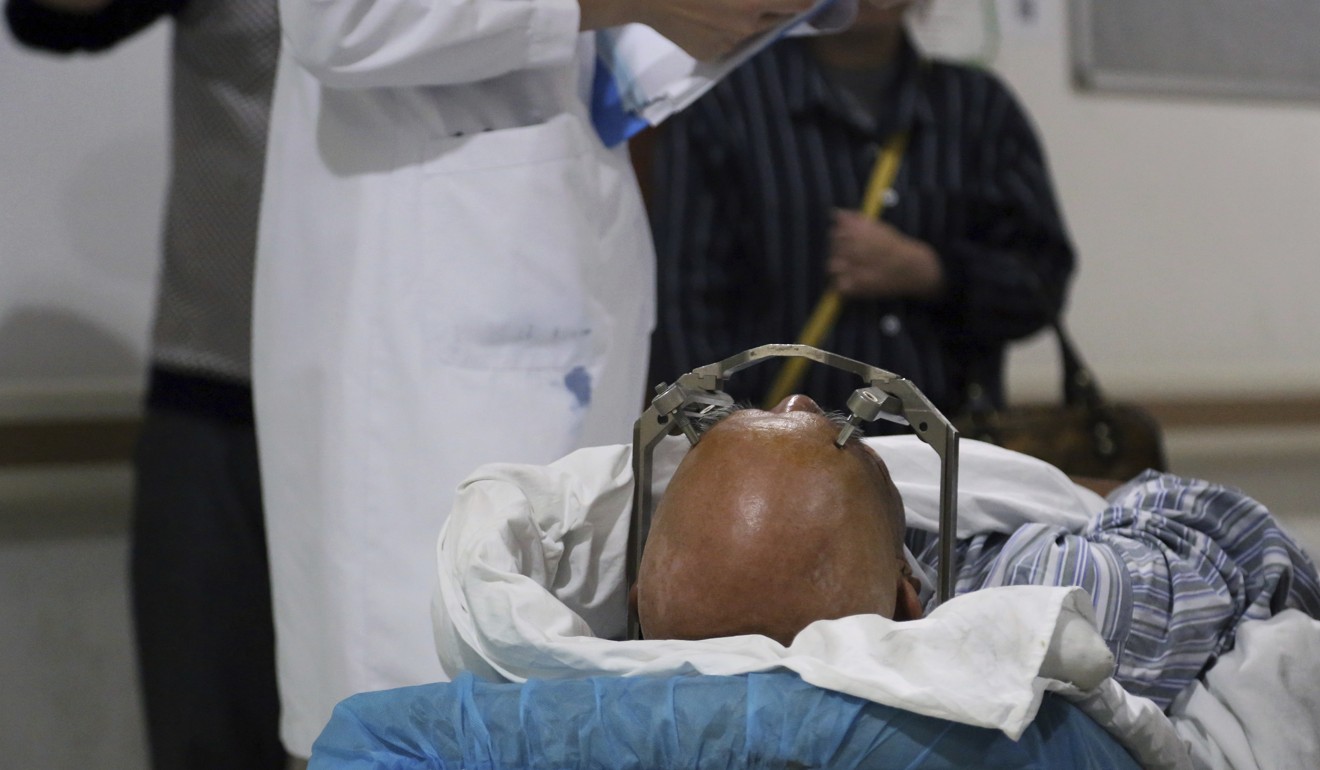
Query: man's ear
[[908, 606]]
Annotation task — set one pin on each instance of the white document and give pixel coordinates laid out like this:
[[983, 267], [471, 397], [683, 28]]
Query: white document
[[655, 78]]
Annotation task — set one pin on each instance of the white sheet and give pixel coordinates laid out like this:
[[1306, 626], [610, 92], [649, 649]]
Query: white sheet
[[531, 586], [1258, 707]]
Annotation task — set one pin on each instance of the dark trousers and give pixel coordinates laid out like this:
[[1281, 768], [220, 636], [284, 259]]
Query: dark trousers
[[201, 596]]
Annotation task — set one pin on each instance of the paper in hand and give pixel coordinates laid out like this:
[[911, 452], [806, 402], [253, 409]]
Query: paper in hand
[[642, 77]]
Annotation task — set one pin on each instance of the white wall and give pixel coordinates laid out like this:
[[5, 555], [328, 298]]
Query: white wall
[[82, 174], [1197, 223]]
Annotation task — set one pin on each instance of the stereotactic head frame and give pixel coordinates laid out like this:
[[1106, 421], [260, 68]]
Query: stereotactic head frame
[[885, 396]]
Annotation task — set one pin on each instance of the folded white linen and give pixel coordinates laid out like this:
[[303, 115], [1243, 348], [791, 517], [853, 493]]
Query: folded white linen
[[998, 490], [1258, 707], [531, 585]]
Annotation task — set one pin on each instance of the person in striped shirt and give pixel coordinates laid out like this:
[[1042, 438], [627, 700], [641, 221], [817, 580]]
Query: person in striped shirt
[[766, 527], [754, 194]]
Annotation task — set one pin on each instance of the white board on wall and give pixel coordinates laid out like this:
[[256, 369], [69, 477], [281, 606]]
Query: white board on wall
[[1202, 47], [83, 146]]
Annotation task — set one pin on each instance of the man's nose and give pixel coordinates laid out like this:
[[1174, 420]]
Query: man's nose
[[797, 403]]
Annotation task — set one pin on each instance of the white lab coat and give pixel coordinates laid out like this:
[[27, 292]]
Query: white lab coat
[[452, 270]]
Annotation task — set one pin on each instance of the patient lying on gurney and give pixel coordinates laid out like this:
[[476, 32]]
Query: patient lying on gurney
[[766, 526], [775, 554]]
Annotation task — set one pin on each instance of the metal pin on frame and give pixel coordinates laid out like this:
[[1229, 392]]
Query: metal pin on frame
[[885, 396]]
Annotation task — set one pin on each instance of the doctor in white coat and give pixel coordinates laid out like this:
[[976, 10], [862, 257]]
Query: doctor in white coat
[[452, 270]]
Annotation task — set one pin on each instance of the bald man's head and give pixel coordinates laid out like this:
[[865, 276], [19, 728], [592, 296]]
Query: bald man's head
[[767, 526]]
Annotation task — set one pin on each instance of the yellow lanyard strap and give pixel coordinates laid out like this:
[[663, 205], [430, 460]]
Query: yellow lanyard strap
[[823, 317]]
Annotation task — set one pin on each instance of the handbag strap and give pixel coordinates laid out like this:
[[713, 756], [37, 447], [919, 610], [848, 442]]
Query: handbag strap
[[1079, 385], [830, 305], [1080, 389]]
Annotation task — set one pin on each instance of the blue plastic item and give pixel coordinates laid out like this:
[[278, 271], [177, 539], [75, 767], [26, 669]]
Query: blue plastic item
[[767, 720]]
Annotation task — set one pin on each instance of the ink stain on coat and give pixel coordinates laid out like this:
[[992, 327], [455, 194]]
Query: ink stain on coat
[[578, 382]]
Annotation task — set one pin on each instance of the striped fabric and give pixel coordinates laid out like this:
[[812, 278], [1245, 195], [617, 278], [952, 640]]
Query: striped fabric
[[744, 182], [1173, 566], [223, 73]]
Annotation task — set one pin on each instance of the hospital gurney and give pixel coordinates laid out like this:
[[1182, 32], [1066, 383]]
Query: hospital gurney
[[770, 720], [532, 588]]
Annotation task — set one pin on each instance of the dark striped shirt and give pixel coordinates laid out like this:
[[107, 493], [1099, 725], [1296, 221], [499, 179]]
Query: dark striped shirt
[[744, 185]]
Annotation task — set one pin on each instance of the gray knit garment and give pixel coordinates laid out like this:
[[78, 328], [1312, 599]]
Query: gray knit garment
[[224, 55]]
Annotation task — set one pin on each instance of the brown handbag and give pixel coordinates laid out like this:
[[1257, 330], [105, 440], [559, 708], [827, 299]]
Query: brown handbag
[[1085, 436]]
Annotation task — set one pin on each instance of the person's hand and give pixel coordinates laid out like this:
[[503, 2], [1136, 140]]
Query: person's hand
[[709, 29], [871, 259], [706, 29]]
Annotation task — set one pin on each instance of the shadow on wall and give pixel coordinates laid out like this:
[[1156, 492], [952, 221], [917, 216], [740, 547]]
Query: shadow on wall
[[80, 256], [44, 344]]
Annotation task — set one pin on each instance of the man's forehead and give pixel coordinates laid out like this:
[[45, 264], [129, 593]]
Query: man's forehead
[[756, 444], [771, 424], [780, 429], [749, 464]]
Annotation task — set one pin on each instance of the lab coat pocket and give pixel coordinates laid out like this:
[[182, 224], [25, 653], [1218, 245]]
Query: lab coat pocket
[[508, 215]]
